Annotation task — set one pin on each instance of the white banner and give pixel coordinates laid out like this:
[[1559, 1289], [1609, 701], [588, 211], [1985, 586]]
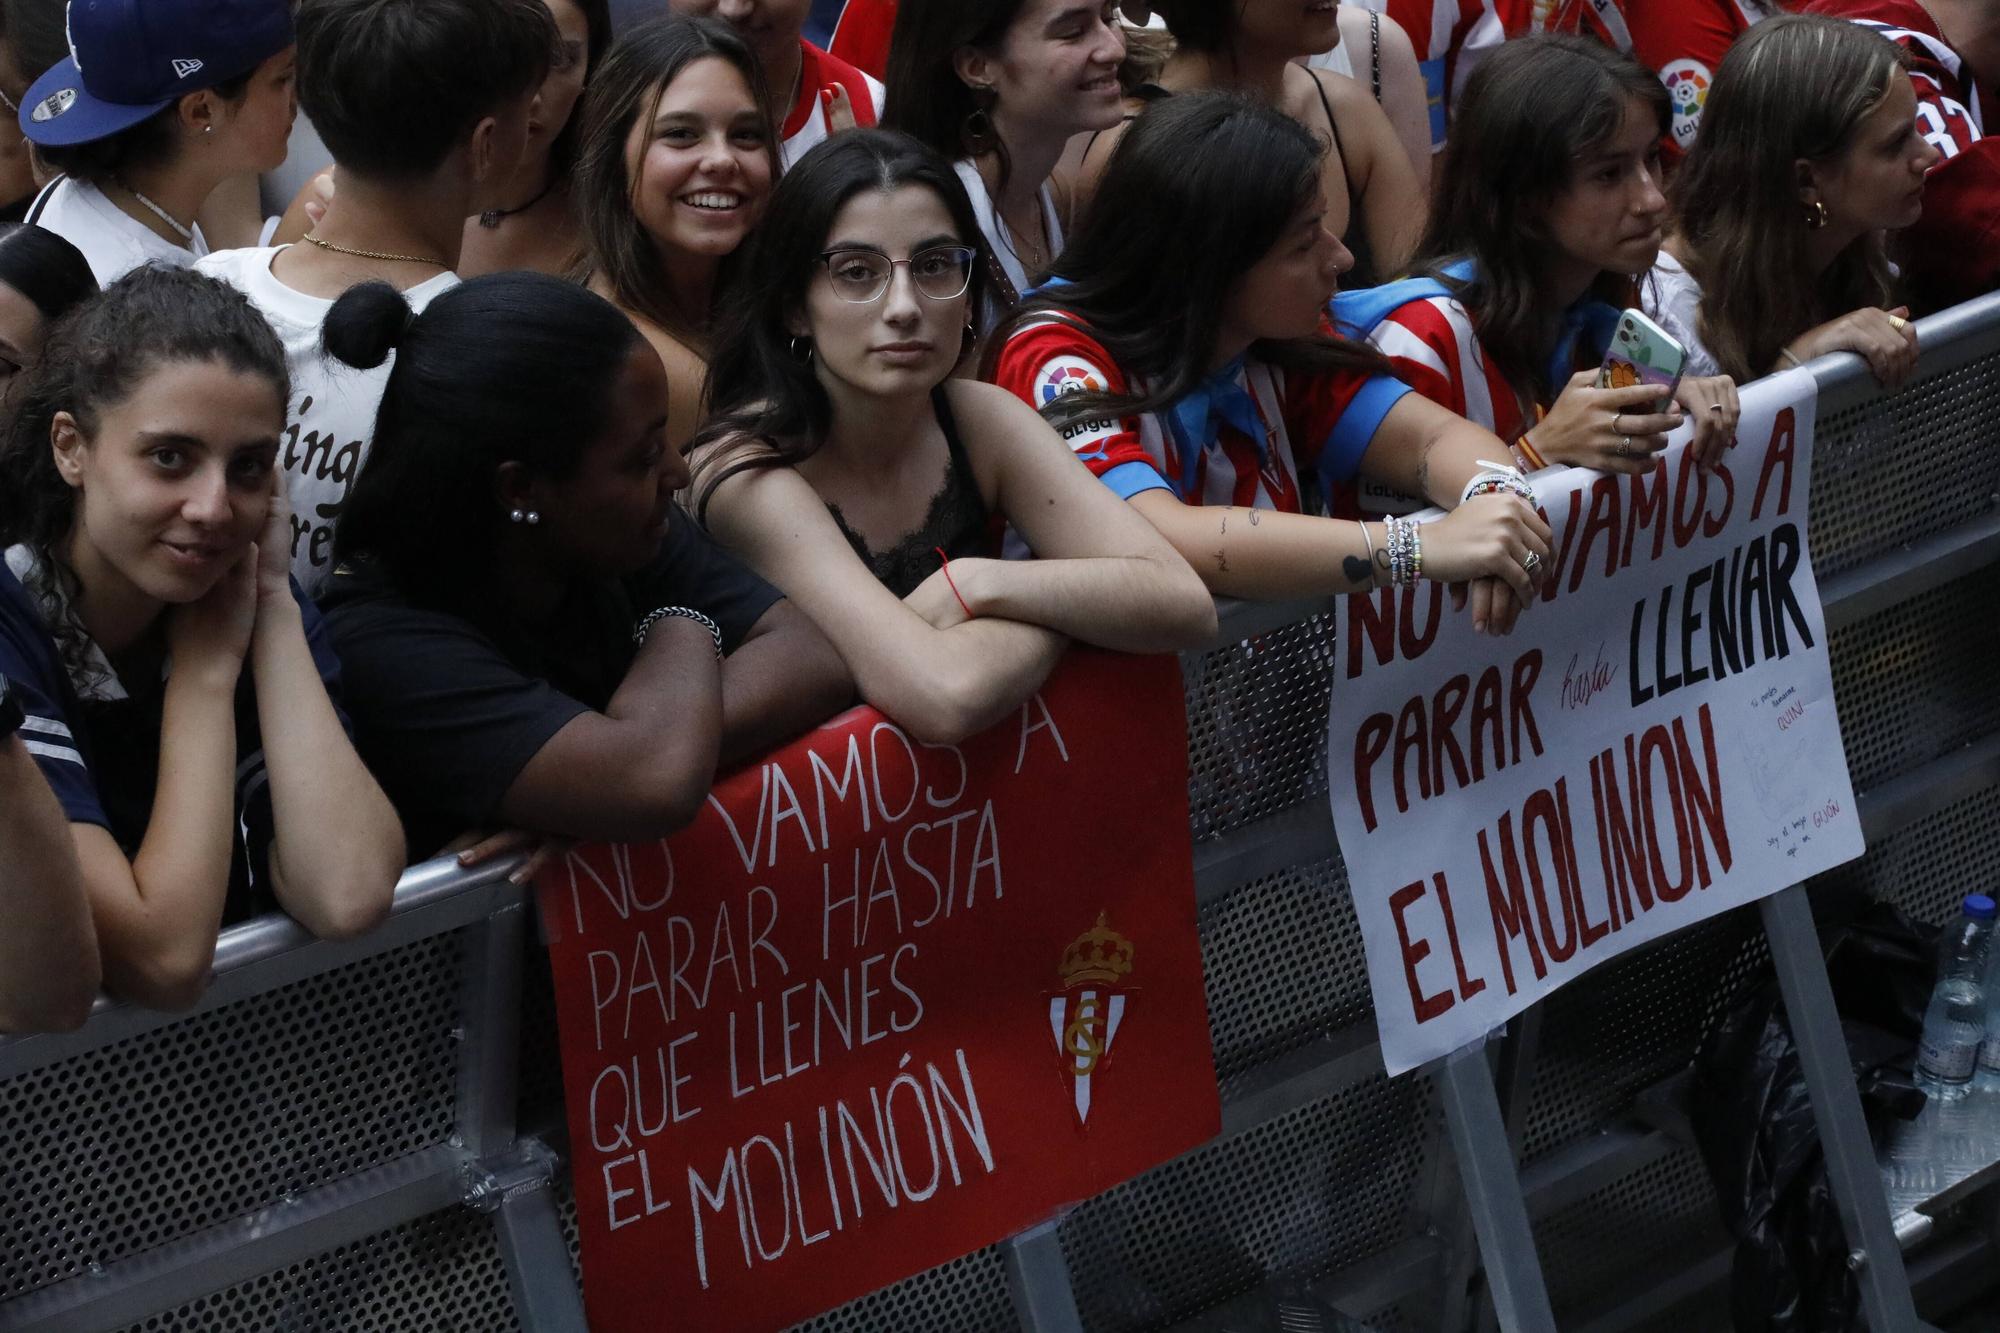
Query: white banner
[[1655, 743]]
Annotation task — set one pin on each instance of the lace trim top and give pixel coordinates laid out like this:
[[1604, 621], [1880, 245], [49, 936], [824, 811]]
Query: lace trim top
[[956, 520]]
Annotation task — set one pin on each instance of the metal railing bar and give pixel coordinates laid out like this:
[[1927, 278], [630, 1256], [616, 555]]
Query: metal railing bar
[[247, 1246], [1896, 576], [1645, 1307], [1583, 1166], [1313, 1072], [1294, 836]]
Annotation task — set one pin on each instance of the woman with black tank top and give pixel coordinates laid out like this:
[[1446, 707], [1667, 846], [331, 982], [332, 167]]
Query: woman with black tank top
[[852, 470], [1373, 202]]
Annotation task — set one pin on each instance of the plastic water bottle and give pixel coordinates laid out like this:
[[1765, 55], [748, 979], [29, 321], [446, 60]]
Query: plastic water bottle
[[1986, 1077], [1955, 1023]]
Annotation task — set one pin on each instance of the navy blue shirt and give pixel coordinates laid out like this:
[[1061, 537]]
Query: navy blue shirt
[[96, 737]]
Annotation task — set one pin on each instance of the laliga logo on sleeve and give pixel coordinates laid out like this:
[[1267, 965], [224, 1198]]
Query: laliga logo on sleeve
[[1084, 1019], [1068, 377], [1687, 84]]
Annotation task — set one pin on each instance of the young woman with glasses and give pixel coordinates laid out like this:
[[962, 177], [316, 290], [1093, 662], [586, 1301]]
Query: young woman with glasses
[[852, 470]]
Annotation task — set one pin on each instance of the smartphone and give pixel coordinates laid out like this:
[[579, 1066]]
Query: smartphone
[[1642, 352]]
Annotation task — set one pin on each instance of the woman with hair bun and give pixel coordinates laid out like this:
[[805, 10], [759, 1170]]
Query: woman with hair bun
[[179, 694], [1809, 154], [533, 634]]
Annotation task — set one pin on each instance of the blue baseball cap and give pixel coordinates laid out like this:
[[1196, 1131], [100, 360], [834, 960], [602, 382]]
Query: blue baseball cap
[[129, 59]]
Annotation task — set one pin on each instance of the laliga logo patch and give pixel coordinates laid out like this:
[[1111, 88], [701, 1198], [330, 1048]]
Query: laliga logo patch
[[1068, 377], [57, 102], [1687, 84], [183, 68], [1084, 1018]]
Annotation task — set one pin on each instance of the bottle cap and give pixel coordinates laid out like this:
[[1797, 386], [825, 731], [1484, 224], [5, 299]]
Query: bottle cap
[[1980, 907]]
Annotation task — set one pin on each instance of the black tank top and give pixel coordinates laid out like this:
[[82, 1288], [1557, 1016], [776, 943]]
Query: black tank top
[[957, 520]]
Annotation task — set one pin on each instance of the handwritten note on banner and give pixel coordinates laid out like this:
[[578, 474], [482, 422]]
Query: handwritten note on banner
[[883, 1004], [1655, 743]]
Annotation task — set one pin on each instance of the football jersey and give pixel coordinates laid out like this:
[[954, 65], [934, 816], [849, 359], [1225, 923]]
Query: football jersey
[[1682, 40], [1449, 36], [861, 38], [806, 125], [1269, 439], [1953, 252]]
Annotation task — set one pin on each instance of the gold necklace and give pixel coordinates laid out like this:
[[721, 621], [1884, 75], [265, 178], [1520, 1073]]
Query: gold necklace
[[374, 254]]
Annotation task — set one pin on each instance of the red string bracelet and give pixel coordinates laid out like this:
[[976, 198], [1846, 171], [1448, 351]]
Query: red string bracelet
[[944, 563]]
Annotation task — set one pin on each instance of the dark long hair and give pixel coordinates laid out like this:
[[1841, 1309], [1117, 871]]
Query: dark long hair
[[625, 91], [1530, 112], [1199, 25], [927, 100], [757, 389], [45, 268], [1197, 192], [1796, 86], [509, 367], [597, 26], [93, 357]]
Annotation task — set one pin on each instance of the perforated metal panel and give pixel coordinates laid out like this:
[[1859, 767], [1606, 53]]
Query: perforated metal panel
[[1927, 868], [1312, 1192], [1283, 960], [1628, 1025], [1880, 470], [439, 1274], [1257, 726], [1618, 1241], [1917, 681], [154, 1138]]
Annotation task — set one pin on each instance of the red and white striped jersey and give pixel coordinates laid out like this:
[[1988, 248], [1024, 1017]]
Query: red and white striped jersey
[[1432, 346], [1311, 425], [1953, 253]]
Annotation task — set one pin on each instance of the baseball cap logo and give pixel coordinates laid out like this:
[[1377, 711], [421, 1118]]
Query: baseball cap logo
[[53, 105], [183, 68]]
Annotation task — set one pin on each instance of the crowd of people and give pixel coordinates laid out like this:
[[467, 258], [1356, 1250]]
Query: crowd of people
[[604, 409]]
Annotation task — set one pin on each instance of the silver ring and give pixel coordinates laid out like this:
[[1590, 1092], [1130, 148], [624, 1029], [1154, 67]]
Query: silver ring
[[1532, 563], [1624, 446], [1616, 429], [1715, 407]]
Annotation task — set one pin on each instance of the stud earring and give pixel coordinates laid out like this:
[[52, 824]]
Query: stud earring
[[517, 516], [534, 517]]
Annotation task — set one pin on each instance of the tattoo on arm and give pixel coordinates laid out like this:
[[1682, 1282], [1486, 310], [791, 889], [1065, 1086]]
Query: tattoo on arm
[[1424, 469], [1382, 558], [1358, 571], [1221, 563], [1253, 518], [1225, 524]]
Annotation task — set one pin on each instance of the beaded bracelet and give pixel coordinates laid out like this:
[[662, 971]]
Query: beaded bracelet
[[653, 618], [1406, 552], [1496, 478]]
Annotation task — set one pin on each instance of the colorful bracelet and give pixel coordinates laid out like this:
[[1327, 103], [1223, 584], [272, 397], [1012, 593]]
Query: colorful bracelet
[[1406, 552], [1496, 478], [653, 618]]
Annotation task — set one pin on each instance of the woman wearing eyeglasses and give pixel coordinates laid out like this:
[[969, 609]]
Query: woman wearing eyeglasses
[[854, 473]]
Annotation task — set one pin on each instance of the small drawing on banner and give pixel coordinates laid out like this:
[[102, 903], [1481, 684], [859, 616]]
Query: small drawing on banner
[[1084, 1018]]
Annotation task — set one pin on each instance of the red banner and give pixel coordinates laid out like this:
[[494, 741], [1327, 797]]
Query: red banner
[[884, 1003]]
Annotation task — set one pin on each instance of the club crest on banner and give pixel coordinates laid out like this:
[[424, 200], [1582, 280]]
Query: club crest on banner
[[1084, 1018]]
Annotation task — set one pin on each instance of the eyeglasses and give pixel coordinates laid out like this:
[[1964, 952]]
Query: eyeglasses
[[860, 276]]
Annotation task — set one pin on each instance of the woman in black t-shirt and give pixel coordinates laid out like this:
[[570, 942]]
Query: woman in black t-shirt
[[177, 692], [531, 630]]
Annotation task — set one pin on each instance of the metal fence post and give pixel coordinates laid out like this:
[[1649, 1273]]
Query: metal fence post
[[1038, 1279]]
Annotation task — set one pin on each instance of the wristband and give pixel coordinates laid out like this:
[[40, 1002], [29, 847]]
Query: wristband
[[645, 626], [1497, 478]]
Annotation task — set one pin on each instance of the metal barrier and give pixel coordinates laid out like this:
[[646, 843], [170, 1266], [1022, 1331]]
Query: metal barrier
[[330, 1139]]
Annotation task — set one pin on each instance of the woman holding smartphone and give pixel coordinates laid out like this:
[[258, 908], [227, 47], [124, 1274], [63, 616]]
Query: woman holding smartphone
[[1548, 211]]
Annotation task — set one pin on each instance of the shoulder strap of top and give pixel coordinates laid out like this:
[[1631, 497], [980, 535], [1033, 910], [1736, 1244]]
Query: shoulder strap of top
[[1333, 127], [941, 404]]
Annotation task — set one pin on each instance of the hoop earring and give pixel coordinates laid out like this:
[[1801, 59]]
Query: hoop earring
[[970, 341], [804, 358], [977, 133], [1816, 215]]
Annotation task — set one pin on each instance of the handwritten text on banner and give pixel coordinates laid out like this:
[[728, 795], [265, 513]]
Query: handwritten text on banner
[[884, 1003], [1655, 743]]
